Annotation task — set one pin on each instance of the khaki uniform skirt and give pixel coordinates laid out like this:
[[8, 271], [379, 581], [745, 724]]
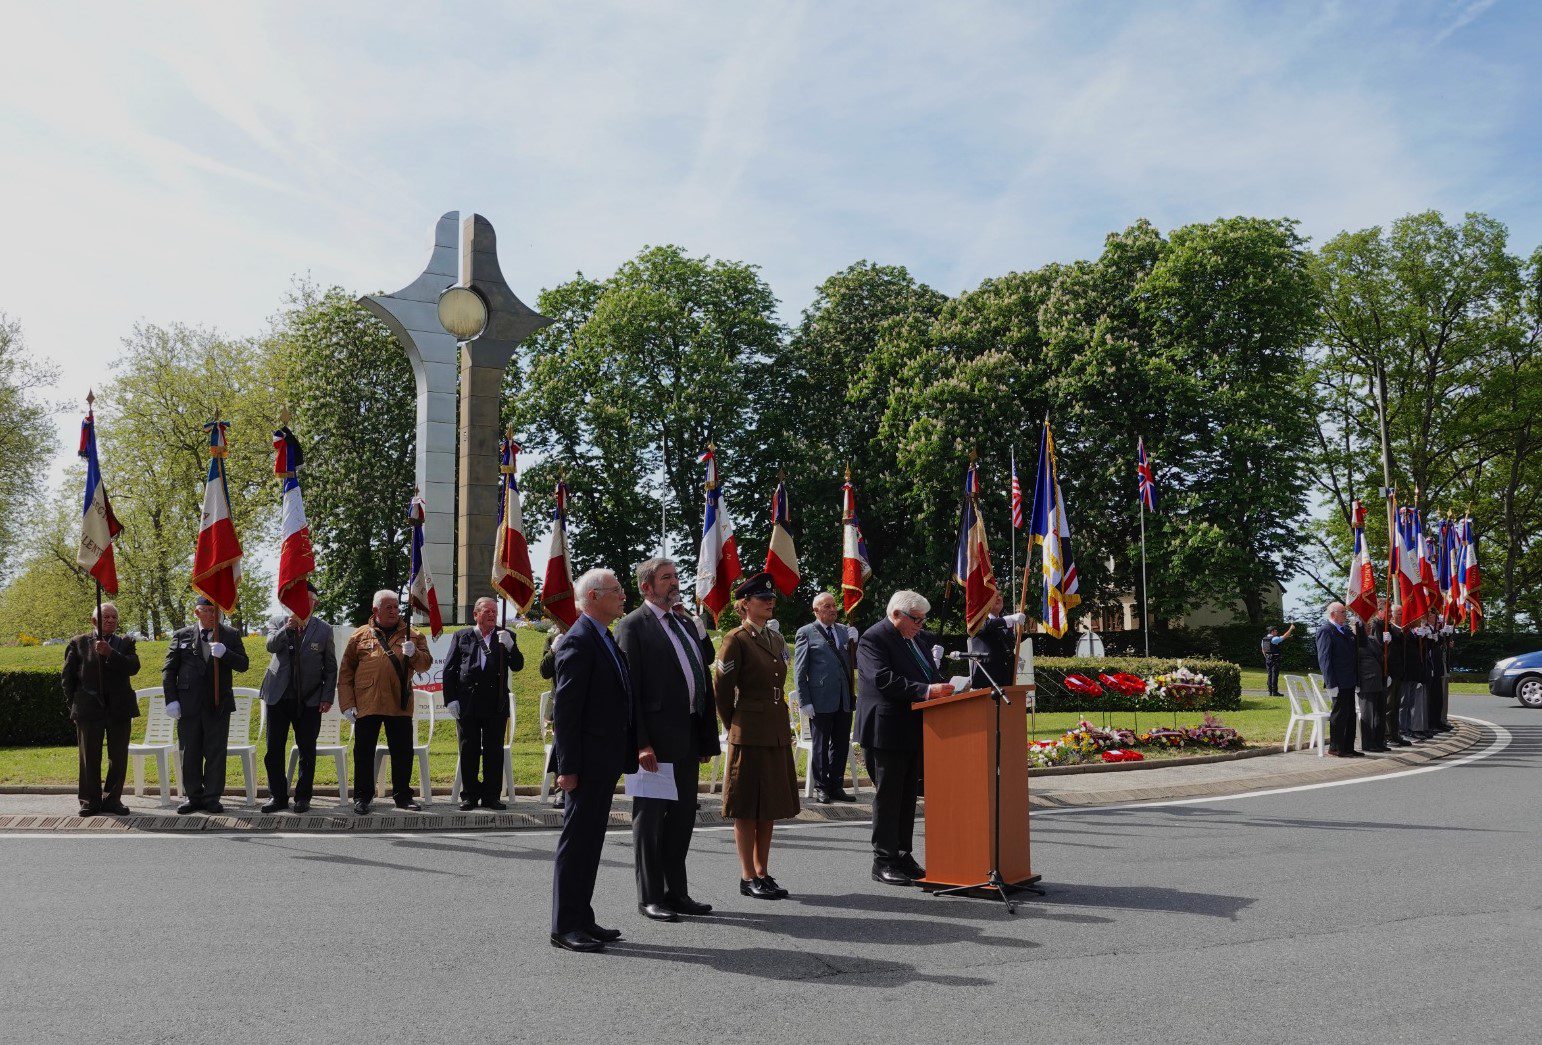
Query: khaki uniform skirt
[[760, 783]]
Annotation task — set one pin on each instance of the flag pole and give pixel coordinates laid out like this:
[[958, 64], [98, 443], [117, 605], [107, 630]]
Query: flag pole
[[219, 611], [1145, 594], [101, 685], [1012, 522]]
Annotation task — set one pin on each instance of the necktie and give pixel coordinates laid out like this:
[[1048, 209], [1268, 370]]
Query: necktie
[[920, 658], [615, 655], [830, 634], [692, 655]]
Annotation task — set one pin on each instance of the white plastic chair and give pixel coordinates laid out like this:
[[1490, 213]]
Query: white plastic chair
[[508, 755], [160, 743], [1322, 698], [548, 738], [1303, 712], [329, 744], [804, 742], [718, 765], [238, 739], [422, 711]]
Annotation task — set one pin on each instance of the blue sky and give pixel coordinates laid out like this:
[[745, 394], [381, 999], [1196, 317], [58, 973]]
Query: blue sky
[[184, 162]]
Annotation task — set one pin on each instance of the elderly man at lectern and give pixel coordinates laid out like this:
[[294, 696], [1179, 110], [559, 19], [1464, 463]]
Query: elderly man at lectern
[[895, 671]]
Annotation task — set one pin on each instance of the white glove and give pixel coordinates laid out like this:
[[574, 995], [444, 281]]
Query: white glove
[[853, 633], [1012, 620], [217, 648], [701, 629], [174, 710], [352, 715], [409, 648], [774, 624], [936, 654], [507, 638], [561, 637], [1386, 636], [453, 707]]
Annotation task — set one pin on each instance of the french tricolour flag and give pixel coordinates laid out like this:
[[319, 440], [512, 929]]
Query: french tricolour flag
[[855, 569], [512, 573], [217, 558], [782, 556], [98, 526], [1414, 597], [717, 564], [557, 588], [296, 557], [421, 594], [972, 558], [1361, 594]]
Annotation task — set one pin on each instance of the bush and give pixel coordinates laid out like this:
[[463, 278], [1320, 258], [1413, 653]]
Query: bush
[[32, 709], [1049, 672]]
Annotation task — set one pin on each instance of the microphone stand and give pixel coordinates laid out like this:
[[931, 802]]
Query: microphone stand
[[994, 880]]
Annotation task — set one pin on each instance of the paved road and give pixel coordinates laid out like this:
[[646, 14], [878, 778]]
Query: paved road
[[1390, 909]]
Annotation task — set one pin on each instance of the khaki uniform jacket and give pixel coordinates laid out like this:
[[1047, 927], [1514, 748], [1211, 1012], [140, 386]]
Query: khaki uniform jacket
[[367, 678], [749, 676]]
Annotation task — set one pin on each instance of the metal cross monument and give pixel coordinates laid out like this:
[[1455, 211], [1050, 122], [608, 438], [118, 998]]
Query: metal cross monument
[[459, 323]]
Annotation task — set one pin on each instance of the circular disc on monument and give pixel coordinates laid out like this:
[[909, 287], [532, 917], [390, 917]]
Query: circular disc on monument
[[462, 312]]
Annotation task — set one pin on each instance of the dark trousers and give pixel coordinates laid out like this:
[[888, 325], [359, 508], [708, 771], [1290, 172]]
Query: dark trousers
[[831, 733], [1391, 705], [89, 736], [1341, 720], [1436, 691], [203, 735], [1373, 729], [1273, 666], [896, 782], [481, 757], [578, 849], [307, 724], [661, 837], [399, 739]]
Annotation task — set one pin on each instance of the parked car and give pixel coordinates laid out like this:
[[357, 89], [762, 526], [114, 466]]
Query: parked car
[[1518, 677]]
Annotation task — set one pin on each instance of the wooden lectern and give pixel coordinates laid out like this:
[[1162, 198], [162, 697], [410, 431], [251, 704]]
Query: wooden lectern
[[960, 759]]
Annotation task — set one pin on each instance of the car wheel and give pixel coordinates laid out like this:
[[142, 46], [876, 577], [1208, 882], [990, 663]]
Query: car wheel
[[1529, 691]]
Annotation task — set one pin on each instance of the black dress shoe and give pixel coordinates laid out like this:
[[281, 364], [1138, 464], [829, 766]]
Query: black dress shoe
[[275, 806], [658, 912], [560, 801], [90, 810], [757, 888], [822, 798], [361, 807], [1352, 754], [686, 905], [1380, 750], [770, 883], [840, 795], [116, 809], [576, 941], [468, 805], [409, 805], [213, 807], [189, 807], [302, 807], [907, 865], [493, 804], [604, 935], [891, 876]]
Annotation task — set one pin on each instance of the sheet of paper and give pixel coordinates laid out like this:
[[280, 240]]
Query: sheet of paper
[[643, 784], [959, 683]]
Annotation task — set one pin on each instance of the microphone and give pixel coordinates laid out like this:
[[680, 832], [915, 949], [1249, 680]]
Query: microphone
[[959, 655]]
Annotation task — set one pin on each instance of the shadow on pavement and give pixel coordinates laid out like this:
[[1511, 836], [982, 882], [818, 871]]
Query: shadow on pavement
[[1143, 898], [793, 966]]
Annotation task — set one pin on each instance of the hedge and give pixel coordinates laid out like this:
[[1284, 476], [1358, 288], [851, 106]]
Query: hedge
[[1048, 673], [32, 709]]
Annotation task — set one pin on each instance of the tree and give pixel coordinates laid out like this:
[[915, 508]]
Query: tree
[[638, 373], [166, 385], [351, 391], [50, 597], [26, 438]]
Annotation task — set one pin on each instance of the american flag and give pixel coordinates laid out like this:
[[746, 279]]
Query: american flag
[[1147, 478], [1017, 497]]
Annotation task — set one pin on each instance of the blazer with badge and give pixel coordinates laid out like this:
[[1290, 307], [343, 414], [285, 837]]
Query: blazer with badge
[[471, 674], [310, 656], [890, 681], [677, 729], [187, 677], [591, 706], [750, 674], [112, 698], [822, 671]]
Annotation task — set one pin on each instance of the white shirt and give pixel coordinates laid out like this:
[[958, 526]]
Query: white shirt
[[680, 654]]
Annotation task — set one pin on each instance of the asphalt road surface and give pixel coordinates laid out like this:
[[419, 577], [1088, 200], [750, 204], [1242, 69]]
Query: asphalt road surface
[[1391, 909]]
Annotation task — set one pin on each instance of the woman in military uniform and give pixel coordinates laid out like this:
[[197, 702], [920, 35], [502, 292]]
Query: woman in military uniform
[[760, 782]]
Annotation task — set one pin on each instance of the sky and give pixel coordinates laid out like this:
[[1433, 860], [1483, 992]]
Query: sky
[[186, 162]]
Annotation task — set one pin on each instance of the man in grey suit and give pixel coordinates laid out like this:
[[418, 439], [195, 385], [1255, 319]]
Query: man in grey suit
[[822, 661], [299, 687]]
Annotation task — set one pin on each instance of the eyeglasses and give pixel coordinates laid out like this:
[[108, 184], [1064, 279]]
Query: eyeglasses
[[919, 620]]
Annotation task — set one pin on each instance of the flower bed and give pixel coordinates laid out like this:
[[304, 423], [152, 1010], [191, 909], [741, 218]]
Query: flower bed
[[1087, 743]]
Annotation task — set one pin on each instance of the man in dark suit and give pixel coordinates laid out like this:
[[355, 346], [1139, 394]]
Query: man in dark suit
[[997, 640], [99, 670], [676, 724], [1337, 659], [596, 744], [201, 663], [299, 687], [822, 657], [894, 673], [476, 692]]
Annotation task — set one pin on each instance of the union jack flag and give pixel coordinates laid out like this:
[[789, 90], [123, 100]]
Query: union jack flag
[[1148, 490]]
